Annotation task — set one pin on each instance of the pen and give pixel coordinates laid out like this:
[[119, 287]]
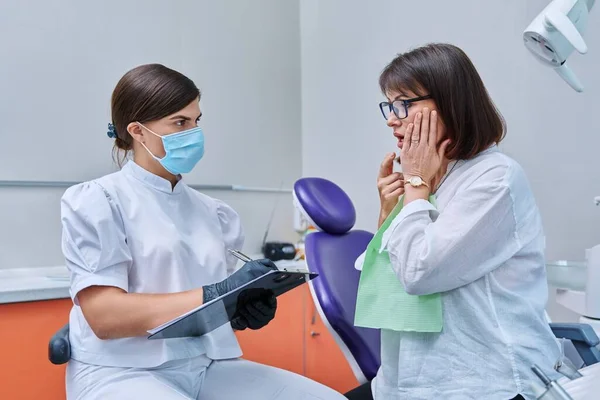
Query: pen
[[239, 255]]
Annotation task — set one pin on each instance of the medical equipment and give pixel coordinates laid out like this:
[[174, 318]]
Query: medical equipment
[[578, 289], [553, 390], [556, 32], [578, 286], [583, 384], [276, 250], [585, 388]]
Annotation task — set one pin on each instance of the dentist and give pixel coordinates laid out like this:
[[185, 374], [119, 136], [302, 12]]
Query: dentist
[[142, 247]]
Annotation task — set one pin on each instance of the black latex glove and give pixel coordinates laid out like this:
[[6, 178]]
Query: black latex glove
[[249, 271], [255, 309]]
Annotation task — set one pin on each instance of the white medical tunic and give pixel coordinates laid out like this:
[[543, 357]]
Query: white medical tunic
[[483, 250], [133, 231]]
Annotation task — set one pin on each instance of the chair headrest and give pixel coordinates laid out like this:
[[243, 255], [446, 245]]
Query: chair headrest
[[325, 205]]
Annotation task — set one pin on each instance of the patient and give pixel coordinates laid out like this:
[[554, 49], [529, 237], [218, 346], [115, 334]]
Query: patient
[[479, 244]]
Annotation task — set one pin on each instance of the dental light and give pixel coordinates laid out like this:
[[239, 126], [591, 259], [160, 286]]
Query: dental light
[[556, 32]]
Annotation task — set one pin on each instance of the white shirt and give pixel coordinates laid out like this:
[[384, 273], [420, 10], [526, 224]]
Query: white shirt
[[131, 230], [483, 250]]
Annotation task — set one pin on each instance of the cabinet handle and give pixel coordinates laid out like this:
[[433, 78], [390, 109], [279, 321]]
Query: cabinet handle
[[313, 333]]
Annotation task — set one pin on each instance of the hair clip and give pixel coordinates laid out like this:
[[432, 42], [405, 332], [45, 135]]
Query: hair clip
[[112, 132]]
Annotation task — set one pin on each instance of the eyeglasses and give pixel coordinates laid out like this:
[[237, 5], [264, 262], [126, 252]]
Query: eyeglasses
[[399, 107]]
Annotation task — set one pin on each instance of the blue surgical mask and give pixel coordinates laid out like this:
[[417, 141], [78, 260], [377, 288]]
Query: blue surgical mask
[[183, 150]]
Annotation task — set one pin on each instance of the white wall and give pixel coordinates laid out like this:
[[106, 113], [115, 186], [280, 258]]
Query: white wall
[[552, 130], [61, 61]]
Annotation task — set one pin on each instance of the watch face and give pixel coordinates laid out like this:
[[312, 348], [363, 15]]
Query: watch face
[[415, 181]]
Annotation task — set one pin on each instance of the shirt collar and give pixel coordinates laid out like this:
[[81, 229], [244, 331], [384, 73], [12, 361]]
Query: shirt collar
[[152, 180], [491, 149], [452, 164]]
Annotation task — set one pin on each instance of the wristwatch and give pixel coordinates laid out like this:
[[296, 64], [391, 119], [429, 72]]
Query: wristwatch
[[416, 181]]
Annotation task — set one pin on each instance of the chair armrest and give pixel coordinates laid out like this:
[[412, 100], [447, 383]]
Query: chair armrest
[[59, 348], [579, 332], [583, 338]]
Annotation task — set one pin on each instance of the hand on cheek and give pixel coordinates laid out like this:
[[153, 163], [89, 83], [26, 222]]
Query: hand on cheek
[[421, 155]]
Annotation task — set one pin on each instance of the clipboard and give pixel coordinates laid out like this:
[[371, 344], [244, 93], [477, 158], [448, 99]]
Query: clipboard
[[220, 311]]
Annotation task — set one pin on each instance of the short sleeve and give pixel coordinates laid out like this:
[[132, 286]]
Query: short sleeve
[[93, 239], [233, 233]]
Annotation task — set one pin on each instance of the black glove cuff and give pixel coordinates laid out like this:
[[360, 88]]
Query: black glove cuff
[[209, 292]]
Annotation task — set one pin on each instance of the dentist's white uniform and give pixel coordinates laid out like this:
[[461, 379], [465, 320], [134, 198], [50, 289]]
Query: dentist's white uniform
[[131, 230]]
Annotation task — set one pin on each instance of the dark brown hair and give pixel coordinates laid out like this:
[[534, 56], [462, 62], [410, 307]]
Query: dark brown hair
[[445, 72], [147, 93]]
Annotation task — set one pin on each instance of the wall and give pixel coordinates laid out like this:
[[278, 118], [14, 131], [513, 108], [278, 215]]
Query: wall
[[62, 60], [551, 129], [252, 61]]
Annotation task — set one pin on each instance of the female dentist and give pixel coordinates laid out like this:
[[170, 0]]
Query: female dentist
[[142, 247], [470, 261]]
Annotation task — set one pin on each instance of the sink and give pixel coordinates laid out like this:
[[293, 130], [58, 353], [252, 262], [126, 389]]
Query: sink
[[565, 274]]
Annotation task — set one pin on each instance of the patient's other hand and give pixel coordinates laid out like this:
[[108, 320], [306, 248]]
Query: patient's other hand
[[390, 185]]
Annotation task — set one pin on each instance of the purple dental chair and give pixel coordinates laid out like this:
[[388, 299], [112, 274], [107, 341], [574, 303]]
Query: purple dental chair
[[331, 253]]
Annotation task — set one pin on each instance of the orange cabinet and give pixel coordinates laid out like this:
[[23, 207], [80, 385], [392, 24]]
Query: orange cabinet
[[25, 328], [296, 340]]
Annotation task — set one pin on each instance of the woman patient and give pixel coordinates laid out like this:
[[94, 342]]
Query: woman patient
[[478, 244]]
